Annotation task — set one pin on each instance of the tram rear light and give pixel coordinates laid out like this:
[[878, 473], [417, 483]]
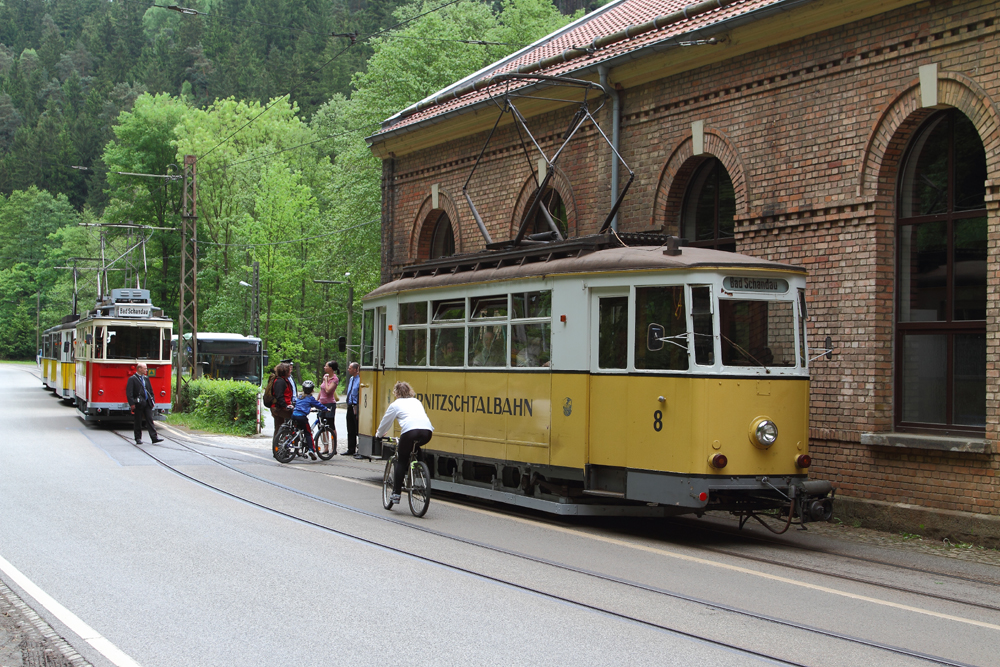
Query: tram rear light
[[803, 461], [703, 496], [718, 460], [100, 392], [163, 392]]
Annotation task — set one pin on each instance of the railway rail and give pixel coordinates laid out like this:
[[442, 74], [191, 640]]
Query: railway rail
[[899, 651]]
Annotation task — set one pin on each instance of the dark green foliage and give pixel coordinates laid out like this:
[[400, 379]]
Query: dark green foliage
[[226, 405]]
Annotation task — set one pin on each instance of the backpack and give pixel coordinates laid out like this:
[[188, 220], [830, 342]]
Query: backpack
[[269, 391]]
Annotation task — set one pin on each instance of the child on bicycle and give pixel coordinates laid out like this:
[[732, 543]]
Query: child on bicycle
[[301, 414], [415, 427]]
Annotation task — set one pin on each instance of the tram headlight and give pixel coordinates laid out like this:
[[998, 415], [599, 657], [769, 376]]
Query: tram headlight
[[763, 432]]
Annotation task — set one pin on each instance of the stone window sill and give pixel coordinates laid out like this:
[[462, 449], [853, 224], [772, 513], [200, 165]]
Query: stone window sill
[[937, 443]]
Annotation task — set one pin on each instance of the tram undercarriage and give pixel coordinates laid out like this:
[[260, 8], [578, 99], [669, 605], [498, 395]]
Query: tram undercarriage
[[607, 491]]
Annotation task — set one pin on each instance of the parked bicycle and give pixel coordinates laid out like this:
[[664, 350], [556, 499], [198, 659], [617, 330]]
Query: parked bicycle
[[416, 483], [292, 441]]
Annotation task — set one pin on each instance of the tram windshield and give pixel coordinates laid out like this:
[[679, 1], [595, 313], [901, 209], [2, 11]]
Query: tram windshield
[[757, 333], [132, 343]]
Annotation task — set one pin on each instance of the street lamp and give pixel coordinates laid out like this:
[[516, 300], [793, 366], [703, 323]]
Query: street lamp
[[350, 307]]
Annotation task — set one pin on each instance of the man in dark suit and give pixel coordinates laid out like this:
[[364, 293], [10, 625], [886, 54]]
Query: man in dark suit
[[139, 393]]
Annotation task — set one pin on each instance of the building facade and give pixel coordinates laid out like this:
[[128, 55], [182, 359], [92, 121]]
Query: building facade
[[858, 140]]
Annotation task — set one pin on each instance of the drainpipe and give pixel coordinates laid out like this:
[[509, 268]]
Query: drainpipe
[[616, 121]]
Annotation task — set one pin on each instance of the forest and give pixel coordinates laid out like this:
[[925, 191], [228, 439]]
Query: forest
[[275, 99]]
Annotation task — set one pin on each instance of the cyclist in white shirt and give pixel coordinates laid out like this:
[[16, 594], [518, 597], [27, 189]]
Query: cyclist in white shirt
[[414, 425]]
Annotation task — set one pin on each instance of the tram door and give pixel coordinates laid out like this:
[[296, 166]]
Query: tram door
[[609, 313], [371, 402]]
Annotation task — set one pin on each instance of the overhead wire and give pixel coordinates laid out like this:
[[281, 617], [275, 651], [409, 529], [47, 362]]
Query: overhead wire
[[318, 69], [299, 240]]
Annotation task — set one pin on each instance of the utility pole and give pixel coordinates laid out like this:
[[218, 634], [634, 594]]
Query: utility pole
[[187, 317], [350, 307], [255, 306]]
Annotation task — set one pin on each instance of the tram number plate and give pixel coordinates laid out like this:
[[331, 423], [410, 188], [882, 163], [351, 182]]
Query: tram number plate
[[133, 311]]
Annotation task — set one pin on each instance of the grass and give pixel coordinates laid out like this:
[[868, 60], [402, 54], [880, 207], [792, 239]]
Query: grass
[[196, 423], [24, 362]]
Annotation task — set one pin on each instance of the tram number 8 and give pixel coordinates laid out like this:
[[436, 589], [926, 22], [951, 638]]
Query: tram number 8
[[658, 421]]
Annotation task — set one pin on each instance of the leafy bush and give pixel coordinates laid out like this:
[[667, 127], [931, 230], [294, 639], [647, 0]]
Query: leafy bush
[[226, 405]]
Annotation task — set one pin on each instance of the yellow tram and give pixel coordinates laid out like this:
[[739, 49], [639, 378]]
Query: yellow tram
[[588, 377], [58, 358]]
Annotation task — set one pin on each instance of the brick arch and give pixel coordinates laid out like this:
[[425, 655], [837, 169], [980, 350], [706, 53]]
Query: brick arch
[[560, 184], [895, 126], [423, 226], [677, 172]]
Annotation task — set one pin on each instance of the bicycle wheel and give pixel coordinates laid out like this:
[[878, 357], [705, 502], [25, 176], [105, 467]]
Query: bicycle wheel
[[326, 444], [281, 445], [387, 484], [420, 488], [285, 451]]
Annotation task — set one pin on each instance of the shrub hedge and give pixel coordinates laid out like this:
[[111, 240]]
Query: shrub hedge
[[228, 405]]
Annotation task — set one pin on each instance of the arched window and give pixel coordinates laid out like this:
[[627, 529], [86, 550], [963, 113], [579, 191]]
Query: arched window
[[443, 240], [554, 204], [709, 210], [941, 260]]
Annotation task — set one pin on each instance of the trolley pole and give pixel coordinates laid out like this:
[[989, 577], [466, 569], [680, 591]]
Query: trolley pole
[[255, 306], [350, 306], [187, 318]]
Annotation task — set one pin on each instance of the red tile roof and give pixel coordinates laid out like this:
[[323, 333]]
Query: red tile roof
[[611, 19]]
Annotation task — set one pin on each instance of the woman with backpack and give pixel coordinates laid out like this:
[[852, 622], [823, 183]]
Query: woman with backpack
[[283, 399]]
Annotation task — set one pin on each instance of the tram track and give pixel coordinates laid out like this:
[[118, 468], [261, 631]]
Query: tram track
[[764, 539], [542, 561]]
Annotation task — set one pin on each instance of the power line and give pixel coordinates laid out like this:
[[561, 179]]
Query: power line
[[318, 69], [283, 150], [305, 238]]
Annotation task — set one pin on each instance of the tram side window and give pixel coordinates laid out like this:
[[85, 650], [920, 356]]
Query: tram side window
[[531, 344], [165, 344], [612, 333], [704, 326], [803, 348], [368, 338], [448, 346], [488, 343], [527, 305], [413, 334], [660, 329], [99, 343], [757, 333]]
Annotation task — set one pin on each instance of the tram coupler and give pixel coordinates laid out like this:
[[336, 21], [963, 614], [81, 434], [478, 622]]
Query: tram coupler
[[813, 500]]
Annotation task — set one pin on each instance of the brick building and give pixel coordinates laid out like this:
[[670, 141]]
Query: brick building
[[860, 140]]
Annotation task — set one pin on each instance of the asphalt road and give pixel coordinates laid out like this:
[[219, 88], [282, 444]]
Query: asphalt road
[[200, 564]]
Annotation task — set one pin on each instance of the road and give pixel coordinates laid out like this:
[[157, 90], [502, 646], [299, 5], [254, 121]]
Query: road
[[207, 552]]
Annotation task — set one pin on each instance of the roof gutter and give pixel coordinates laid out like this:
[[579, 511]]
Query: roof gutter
[[632, 31]]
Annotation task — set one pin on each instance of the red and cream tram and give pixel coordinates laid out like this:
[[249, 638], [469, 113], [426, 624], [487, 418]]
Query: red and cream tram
[[111, 340]]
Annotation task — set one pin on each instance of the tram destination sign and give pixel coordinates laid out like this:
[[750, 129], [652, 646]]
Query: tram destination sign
[[129, 310], [746, 284]]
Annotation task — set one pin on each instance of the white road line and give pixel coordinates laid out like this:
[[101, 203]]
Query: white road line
[[68, 618]]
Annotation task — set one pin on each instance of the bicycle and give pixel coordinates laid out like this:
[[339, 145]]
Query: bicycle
[[325, 437], [416, 483], [292, 441]]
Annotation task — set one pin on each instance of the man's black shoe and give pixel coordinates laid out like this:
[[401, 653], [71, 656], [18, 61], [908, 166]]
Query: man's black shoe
[[157, 440], [358, 456], [138, 442]]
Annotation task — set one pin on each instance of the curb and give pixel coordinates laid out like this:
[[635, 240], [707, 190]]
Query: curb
[[937, 524]]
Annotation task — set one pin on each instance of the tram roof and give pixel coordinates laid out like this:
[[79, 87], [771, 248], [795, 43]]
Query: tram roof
[[564, 259]]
